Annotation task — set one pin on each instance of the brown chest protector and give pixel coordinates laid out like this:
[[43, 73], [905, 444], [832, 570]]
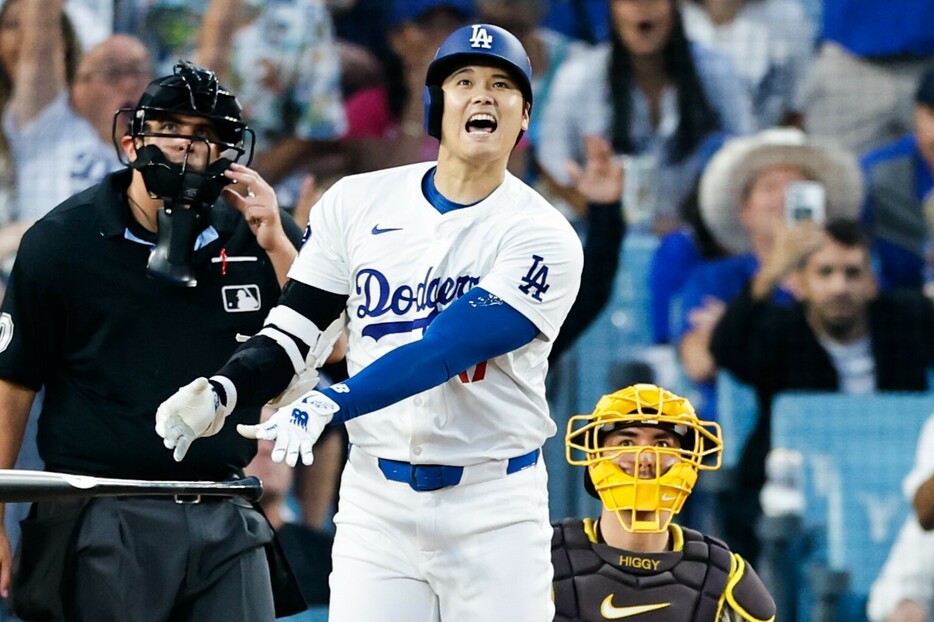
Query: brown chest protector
[[595, 582]]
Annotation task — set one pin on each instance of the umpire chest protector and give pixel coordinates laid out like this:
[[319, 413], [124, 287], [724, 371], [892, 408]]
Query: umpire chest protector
[[595, 582]]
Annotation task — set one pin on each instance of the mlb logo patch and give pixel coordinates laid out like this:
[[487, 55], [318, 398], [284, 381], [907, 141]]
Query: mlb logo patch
[[240, 298]]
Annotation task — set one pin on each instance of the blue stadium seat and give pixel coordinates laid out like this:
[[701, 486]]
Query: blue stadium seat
[[856, 450], [737, 410], [315, 614], [623, 331]]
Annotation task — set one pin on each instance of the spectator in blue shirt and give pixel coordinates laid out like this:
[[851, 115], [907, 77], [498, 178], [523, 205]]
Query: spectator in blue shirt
[[898, 183], [871, 55], [658, 99]]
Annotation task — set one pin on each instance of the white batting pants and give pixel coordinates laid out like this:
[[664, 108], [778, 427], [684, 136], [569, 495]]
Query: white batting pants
[[469, 553]]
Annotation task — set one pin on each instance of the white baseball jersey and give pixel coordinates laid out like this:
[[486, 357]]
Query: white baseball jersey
[[376, 238]]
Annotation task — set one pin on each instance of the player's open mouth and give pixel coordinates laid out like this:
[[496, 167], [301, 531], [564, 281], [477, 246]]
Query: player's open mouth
[[481, 123]]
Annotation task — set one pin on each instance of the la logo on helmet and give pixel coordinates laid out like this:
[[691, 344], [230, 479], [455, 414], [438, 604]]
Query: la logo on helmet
[[480, 38]]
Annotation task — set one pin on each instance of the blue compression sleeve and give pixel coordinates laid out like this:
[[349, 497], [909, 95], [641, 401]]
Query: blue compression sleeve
[[476, 327]]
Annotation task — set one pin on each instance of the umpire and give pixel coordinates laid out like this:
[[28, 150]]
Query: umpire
[[119, 295]]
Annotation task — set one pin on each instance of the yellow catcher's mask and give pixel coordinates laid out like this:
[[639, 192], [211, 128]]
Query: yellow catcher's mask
[[644, 502]]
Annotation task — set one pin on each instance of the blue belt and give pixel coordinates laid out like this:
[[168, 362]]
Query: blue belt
[[428, 477]]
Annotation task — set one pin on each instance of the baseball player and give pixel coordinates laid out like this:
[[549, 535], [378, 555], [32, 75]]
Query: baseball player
[[643, 447], [455, 277]]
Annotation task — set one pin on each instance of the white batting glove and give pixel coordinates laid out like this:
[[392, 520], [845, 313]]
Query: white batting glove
[[194, 411], [295, 428]]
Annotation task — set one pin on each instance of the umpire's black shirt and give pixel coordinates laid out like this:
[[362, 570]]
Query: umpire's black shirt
[[109, 343]]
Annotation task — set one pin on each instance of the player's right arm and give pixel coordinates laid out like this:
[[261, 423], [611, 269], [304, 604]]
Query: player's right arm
[[15, 403], [298, 334]]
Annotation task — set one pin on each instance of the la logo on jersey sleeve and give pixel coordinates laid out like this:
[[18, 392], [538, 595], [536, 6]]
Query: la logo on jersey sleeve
[[535, 282]]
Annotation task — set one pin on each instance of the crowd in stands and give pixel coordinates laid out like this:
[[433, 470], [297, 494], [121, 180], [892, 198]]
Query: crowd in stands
[[686, 121]]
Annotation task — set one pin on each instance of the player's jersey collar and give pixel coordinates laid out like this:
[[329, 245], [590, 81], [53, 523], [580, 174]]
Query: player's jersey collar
[[434, 197]]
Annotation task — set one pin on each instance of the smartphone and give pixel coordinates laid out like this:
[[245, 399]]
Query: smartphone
[[805, 200]]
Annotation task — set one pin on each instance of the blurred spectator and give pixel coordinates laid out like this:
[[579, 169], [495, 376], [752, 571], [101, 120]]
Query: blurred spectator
[[904, 590], [899, 179], [363, 23], [586, 20], [547, 49], [92, 19], [59, 115], [169, 28], [386, 121], [657, 98], [841, 335], [601, 183], [676, 256], [771, 43], [742, 201], [16, 24], [858, 91], [307, 550], [360, 33], [282, 63]]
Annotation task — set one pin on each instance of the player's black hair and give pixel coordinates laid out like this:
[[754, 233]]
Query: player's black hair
[[698, 117]]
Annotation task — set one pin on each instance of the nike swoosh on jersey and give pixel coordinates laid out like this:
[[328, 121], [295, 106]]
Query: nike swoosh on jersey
[[376, 230], [608, 611]]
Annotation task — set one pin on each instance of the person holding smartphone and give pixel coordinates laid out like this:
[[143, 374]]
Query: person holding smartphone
[[743, 200], [839, 334], [747, 192]]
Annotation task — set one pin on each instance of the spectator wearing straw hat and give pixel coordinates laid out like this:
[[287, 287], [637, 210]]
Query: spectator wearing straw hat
[[742, 202]]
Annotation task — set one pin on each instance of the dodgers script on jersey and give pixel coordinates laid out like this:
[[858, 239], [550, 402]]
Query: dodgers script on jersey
[[377, 239]]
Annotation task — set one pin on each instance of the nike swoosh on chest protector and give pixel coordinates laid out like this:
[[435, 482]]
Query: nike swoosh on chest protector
[[608, 611]]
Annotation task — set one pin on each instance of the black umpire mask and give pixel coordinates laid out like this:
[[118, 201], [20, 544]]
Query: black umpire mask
[[187, 195]]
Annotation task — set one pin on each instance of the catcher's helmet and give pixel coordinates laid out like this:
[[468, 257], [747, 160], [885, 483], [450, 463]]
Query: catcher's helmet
[[194, 91], [481, 44], [646, 503]]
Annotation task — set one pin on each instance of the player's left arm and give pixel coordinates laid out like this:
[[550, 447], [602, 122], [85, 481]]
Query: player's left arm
[[526, 295], [476, 327]]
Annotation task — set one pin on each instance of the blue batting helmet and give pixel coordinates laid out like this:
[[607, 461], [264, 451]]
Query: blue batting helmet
[[478, 43]]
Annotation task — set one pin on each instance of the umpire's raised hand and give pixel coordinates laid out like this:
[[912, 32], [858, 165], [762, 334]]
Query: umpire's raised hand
[[256, 200]]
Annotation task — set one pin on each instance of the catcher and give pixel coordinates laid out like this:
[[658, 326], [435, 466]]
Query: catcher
[[643, 447]]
